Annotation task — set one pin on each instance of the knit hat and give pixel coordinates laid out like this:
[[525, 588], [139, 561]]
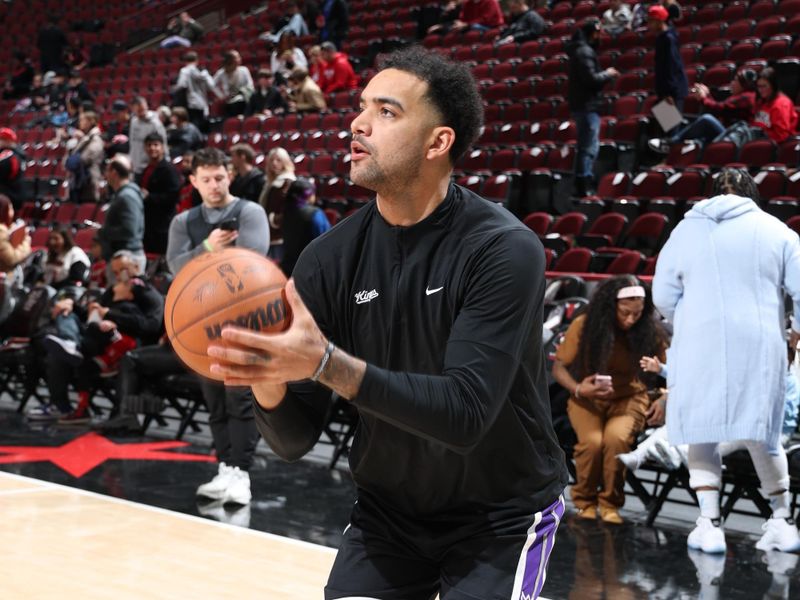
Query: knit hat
[[8, 135], [658, 12]]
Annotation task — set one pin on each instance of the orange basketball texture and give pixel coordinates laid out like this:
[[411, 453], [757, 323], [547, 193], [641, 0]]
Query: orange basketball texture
[[229, 287]]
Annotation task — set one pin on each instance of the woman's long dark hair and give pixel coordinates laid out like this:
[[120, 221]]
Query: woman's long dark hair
[[646, 338], [5, 210], [66, 235]]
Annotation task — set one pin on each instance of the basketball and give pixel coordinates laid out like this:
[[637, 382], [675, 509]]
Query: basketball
[[230, 287]]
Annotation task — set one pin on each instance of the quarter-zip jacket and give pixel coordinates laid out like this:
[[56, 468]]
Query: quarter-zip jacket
[[454, 414]]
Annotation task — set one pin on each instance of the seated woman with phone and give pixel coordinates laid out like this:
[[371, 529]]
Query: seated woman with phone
[[598, 362]]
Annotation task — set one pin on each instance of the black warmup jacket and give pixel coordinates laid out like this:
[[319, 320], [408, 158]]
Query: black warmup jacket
[[454, 409]]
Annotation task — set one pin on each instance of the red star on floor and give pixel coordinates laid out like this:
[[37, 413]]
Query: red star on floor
[[84, 453]]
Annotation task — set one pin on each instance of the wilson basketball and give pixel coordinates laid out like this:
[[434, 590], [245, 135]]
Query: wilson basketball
[[230, 287]]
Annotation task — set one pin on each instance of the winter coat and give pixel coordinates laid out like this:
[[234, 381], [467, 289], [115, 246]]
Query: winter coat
[[720, 280], [586, 79]]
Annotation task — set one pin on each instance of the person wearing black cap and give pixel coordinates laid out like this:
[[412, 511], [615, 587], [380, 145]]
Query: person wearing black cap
[[116, 131], [739, 106], [586, 81]]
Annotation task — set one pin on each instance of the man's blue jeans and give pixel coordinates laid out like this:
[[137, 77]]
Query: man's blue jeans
[[588, 126], [705, 128]]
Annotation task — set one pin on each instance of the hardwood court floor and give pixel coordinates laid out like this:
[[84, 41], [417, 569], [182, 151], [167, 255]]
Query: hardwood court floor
[[63, 542]]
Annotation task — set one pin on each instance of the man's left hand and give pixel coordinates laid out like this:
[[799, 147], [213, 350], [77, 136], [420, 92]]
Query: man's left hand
[[249, 358]]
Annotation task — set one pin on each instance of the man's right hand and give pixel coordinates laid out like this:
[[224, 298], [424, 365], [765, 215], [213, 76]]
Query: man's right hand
[[221, 238], [612, 72]]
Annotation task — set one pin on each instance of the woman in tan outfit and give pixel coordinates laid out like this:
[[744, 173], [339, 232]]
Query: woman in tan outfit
[[598, 362]]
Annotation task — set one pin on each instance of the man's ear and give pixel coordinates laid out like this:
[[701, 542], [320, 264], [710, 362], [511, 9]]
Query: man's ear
[[441, 140]]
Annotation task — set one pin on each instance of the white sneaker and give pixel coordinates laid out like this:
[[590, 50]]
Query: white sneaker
[[238, 490], [217, 487], [630, 460], [779, 534], [707, 537], [658, 145]]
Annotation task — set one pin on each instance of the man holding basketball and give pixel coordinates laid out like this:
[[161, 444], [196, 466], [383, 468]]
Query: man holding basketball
[[221, 221], [423, 309]]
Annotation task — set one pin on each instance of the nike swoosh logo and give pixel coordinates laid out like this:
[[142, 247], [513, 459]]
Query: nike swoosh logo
[[429, 291]]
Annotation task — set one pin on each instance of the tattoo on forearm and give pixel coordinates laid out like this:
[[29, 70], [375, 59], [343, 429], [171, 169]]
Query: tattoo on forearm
[[344, 374]]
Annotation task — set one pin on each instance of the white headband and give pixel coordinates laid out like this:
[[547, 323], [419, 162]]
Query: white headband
[[633, 291]]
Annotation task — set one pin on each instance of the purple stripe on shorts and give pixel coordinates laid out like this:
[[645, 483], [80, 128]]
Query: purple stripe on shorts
[[542, 536]]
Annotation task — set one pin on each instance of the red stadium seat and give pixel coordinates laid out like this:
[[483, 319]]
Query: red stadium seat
[[613, 185], [649, 184], [719, 154], [498, 188], [539, 222], [770, 184], [604, 231], [627, 262], [574, 260], [569, 224]]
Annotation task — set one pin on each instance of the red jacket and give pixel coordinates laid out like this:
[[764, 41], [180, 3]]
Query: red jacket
[[481, 12], [317, 71], [777, 117], [338, 75]]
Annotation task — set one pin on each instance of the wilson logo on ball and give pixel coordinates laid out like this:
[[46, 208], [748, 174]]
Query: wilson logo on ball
[[262, 318]]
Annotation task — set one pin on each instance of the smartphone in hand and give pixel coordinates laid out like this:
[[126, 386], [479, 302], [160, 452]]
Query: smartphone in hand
[[603, 381]]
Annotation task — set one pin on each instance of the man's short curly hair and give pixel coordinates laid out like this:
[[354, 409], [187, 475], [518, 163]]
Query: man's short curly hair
[[451, 89]]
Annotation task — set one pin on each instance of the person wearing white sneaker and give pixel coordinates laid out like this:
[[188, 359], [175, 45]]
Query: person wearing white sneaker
[[230, 484], [728, 360], [218, 486]]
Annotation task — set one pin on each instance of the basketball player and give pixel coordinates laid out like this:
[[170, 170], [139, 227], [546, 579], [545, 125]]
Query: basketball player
[[222, 220], [423, 309]]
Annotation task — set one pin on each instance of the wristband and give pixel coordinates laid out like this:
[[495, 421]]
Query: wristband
[[207, 245], [577, 388], [324, 362]]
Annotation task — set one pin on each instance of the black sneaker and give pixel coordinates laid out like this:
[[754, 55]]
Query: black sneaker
[[121, 425], [66, 350]]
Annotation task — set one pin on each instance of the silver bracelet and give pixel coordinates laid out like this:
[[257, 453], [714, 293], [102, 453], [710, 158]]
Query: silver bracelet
[[324, 362]]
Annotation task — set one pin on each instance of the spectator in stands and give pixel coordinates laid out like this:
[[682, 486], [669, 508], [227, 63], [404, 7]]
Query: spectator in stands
[[160, 183], [97, 271], [164, 113], [128, 314], [673, 8], [333, 22], [12, 251], [776, 115], [316, 66], [302, 222], [474, 14], [280, 175], [75, 55], [249, 179], [304, 94], [671, 82], [124, 225], [184, 135], [193, 90], [51, 43], [294, 22], [193, 233], [618, 328], [235, 83], [182, 32], [739, 106], [143, 123], [65, 263], [750, 260], [76, 87], [640, 15], [116, 131], [526, 24], [83, 162], [285, 57], [12, 166], [20, 81], [617, 18], [586, 82], [267, 99], [338, 73]]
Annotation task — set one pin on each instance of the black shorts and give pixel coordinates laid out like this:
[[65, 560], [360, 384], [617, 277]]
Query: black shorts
[[486, 556]]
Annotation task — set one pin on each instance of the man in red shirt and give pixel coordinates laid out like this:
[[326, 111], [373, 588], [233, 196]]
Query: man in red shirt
[[474, 14], [337, 74]]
